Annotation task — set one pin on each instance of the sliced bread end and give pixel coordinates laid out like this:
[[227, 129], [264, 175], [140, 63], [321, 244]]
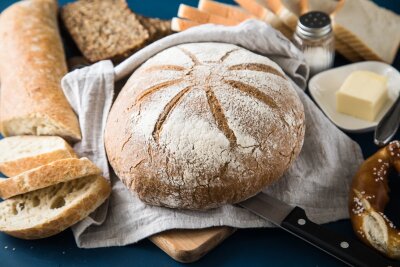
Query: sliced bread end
[[22, 153], [48, 211], [47, 175]]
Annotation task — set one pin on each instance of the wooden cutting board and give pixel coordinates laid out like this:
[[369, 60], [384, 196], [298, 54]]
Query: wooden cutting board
[[189, 245]]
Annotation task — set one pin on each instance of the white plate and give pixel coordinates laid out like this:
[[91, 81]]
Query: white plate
[[324, 85]]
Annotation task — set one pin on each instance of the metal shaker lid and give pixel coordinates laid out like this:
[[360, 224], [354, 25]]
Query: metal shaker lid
[[314, 24]]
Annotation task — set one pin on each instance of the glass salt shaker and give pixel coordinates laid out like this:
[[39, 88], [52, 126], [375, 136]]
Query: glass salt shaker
[[314, 36]]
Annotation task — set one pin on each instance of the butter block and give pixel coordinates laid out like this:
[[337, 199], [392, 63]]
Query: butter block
[[362, 95]]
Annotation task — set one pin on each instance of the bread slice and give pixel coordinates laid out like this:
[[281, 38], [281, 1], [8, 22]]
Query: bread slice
[[370, 30], [300, 7], [224, 10], [48, 211], [22, 153], [104, 29], [53, 173], [191, 13], [178, 24]]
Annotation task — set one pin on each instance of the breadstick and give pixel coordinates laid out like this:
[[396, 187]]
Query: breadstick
[[191, 13], [224, 10], [179, 25]]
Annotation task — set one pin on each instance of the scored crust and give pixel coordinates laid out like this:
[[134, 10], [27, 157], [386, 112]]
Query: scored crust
[[204, 124], [53, 173]]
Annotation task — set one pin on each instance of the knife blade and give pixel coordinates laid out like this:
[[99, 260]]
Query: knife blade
[[388, 125], [294, 220]]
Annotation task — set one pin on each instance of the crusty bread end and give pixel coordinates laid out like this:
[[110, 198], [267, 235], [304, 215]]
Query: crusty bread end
[[22, 153], [47, 175], [48, 211]]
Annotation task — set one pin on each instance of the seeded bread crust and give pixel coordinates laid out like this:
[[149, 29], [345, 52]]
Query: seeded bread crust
[[204, 124], [104, 29], [53, 173], [21, 163], [60, 206], [157, 28]]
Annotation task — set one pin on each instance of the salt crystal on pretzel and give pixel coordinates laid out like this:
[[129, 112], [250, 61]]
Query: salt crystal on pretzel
[[369, 195]]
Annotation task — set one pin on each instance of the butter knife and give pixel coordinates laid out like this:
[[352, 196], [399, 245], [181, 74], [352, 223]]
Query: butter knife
[[295, 221]]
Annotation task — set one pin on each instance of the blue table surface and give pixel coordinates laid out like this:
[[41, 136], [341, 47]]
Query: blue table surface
[[251, 247]]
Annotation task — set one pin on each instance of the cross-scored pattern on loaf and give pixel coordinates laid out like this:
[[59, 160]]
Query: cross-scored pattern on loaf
[[213, 102]]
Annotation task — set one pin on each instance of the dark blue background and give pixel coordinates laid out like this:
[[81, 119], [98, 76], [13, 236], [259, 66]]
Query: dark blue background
[[250, 247]]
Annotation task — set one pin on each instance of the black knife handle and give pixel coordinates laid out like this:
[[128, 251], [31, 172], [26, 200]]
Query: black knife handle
[[351, 252]]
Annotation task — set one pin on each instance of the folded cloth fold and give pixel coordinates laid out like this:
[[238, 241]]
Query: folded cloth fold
[[318, 181]]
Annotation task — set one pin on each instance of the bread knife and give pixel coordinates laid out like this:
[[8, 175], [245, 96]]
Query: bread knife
[[294, 220], [388, 125]]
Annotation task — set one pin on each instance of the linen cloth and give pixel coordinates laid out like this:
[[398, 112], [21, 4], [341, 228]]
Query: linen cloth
[[318, 181]]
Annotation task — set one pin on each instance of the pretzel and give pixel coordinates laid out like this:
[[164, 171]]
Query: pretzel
[[368, 198]]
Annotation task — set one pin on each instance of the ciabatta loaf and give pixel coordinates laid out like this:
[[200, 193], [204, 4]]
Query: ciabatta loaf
[[32, 64], [48, 211], [21, 153], [204, 124], [370, 30], [43, 176]]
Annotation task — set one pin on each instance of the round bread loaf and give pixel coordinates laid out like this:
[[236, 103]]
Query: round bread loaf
[[204, 124]]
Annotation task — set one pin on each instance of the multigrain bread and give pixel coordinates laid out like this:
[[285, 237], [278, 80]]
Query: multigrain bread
[[180, 133], [370, 30], [21, 153], [48, 211], [32, 64], [156, 28], [43, 176], [104, 29]]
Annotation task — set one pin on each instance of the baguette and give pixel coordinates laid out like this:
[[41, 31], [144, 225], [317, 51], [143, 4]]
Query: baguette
[[224, 10], [179, 25], [53, 173], [22, 153], [32, 64], [48, 211], [191, 13]]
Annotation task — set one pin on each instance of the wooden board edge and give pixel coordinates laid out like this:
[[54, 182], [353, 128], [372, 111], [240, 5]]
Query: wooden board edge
[[166, 241]]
